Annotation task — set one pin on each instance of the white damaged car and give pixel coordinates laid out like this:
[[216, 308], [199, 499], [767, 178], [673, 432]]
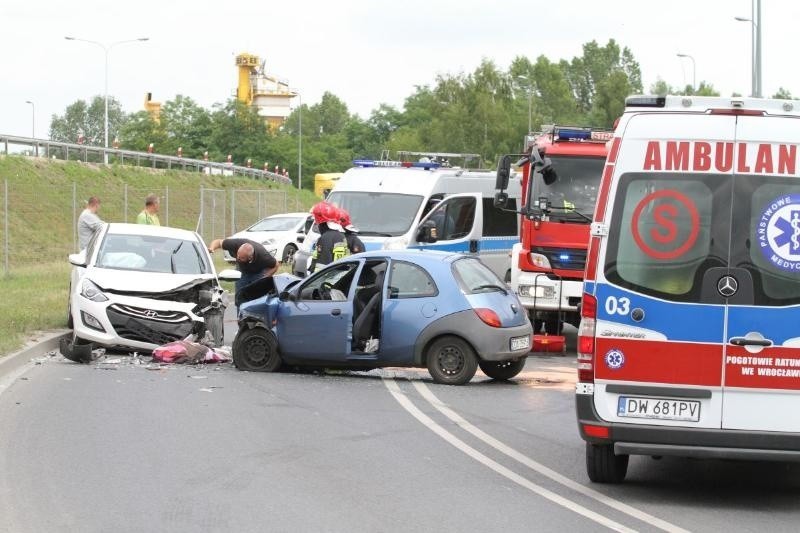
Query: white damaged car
[[138, 287]]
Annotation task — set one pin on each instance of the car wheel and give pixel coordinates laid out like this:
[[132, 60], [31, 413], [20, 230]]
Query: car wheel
[[603, 466], [502, 369], [451, 361], [70, 323], [288, 254], [215, 326], [256, 350]]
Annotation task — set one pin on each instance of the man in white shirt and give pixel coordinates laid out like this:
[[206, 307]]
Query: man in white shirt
[[88, 222]]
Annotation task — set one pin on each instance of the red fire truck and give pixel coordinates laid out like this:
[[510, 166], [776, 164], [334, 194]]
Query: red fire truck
[[557, 206]]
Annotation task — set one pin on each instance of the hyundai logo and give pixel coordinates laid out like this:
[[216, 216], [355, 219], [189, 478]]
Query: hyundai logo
[[150, 313], [727, 286]]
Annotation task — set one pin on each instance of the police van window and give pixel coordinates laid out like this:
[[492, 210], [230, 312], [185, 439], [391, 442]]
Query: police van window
[[766, 239], [410, 281], [666, 231], [497, 222], [454, 219]]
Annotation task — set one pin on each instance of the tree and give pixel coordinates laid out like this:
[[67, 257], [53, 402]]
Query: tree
[[237, 129], [88, 120], [186, 125], [783, 94], [140, 130]]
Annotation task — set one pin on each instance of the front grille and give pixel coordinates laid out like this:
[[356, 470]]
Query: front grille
[[145, 329], [172, 317], [575, 259]]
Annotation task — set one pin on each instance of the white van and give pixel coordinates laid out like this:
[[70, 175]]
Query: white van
[[689, 342], [391, 202]]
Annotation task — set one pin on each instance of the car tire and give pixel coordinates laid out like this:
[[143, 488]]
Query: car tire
[[70, 322], [256, 350], [215, 325], [502, 370], [603, 466], [451, 360], [288, 254]]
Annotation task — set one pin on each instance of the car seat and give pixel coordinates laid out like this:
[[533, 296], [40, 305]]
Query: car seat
[[367, 319]]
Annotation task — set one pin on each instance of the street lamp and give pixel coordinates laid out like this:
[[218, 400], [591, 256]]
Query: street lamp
[[299, 141], [523, 77], [106, 49], [33, 118], [755, 20], [694, 71]]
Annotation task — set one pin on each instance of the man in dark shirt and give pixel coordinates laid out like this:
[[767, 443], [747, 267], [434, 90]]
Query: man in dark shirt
[[252, 259]]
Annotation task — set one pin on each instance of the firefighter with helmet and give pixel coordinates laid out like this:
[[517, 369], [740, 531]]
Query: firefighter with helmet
[[354, 244], [332, 244]]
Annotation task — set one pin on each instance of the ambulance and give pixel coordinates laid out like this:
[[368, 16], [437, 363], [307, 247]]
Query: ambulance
[[689, 342]]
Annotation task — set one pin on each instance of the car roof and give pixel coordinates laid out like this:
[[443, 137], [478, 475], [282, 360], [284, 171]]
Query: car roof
[[414, 256], [116, 228]]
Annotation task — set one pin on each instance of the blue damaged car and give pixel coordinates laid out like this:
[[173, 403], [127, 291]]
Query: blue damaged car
[[444, 311]]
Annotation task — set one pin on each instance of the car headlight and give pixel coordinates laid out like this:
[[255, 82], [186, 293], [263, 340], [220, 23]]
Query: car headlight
[[534, 291], [396, 243], [92, 292], [539, 260]]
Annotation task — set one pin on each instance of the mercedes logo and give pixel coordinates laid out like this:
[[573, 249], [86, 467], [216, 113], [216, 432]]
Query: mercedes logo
[[727, 286]]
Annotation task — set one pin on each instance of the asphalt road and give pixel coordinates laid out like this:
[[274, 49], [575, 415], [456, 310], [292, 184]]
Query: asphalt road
[[124, 447]]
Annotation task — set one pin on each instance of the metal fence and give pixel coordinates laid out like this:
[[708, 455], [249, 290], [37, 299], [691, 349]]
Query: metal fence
[[39, 224]]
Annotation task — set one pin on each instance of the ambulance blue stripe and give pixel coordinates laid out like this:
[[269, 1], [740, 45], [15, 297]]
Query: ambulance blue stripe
[[777, 323], [685, 322]]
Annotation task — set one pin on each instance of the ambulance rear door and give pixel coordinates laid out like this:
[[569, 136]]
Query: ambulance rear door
[[660, 333], [762, 358]]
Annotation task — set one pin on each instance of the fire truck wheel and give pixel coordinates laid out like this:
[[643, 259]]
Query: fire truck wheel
[[552, 324], [502, 370], [603, 466]]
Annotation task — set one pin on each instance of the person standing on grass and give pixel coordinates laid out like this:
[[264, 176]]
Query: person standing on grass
[[149, 214], [88, 222]]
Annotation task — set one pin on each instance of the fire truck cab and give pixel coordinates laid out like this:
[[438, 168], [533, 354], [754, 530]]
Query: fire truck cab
[[561, 170], [689, 342]]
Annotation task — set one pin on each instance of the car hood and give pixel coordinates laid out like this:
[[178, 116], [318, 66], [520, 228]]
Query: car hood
[[137, 281]]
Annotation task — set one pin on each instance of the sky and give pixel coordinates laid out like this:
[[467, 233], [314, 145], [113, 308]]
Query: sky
[[366, 52]]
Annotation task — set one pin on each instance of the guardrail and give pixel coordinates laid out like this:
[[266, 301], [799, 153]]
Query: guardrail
[[62, 150]]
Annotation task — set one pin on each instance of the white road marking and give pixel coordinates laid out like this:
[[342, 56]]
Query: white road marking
[[540, 468], [401, 398], [7, 380]]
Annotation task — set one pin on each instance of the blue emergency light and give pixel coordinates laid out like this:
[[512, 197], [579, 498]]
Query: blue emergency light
[[574, 135], [563, 257], [369, 163]]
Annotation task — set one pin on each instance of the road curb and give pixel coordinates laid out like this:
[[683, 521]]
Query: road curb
[[45, 342]]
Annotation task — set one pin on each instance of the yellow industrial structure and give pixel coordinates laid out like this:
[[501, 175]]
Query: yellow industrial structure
[[154, 108], [268, 94], [323, 183]]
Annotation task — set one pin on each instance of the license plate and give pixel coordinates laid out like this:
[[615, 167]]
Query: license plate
[[658, 408], [519, 343]]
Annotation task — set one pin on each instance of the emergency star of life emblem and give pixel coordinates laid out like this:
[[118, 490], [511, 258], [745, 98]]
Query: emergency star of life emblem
[[614, 359], [778, 232]]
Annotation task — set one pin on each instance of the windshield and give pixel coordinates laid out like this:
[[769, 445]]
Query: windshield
[[379, 213], [148, 253], [275, 224], [575, 190]]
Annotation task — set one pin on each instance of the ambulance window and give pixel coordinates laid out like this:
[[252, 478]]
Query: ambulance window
[[665, 232], [767, 237]]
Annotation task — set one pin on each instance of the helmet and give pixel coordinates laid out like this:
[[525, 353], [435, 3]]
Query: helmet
[[344, 218], [324, 212]]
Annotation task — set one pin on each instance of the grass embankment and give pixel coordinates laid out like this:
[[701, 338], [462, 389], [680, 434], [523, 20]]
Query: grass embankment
[[41, 214]]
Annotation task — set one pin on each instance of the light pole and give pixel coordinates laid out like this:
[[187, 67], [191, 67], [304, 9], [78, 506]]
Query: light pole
[[523, 77], [755, 20], [694, 71], [106, 49], [299, 141], [33, 118]]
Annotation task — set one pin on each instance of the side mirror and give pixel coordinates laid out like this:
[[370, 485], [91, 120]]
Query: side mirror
[[427, 232], [285, 296], [503, 173], [79, 259], [500, 200], [229, 274], [549, 175], [301, 237]]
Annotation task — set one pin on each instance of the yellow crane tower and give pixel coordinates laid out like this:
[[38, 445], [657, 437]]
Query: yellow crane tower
[[270, 95]]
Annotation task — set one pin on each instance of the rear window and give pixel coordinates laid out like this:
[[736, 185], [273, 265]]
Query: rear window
[[666, 231], [474, 277]]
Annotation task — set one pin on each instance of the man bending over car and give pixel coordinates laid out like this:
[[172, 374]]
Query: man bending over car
[[252, 259]]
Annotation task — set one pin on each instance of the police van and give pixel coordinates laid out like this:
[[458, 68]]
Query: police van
[[689, 342], [425, 204]]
